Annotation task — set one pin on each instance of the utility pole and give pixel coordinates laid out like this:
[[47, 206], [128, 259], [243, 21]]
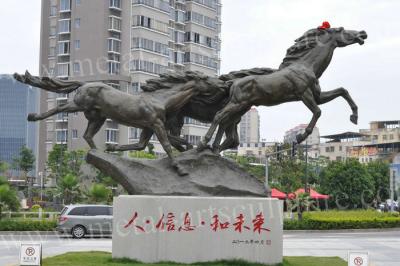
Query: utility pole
[[267, 188]]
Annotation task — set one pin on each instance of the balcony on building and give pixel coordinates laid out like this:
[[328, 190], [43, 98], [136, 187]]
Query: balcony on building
[[161, 5], [61, 117], [65, 6], [62, 97], [61, 136], [114, 24], [115, 5], [64, 26]]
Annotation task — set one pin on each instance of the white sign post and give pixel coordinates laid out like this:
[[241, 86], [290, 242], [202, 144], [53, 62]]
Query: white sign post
[[30, 254], [197, 229], [358, 258]]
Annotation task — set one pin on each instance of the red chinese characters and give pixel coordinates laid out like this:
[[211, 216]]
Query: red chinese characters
[[168, 223]]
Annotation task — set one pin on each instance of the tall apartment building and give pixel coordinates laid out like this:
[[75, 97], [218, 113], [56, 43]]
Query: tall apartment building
[[249, 127], [16, 101], [122, 43]]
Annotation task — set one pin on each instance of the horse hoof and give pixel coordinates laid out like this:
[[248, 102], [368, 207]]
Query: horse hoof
[[354, 119], [32, 117]]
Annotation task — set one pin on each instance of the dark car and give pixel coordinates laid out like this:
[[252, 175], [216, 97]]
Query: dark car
[[80, 220]]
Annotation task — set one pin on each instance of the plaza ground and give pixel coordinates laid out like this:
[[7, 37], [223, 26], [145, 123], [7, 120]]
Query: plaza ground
[[384, 247]]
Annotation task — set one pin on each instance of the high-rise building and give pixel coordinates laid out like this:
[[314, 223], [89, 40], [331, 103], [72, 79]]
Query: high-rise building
[[16, 101], [249, 127], [122, 43]]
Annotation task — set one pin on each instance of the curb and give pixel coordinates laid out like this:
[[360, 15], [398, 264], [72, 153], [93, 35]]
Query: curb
[[29, 233], [372, 230]]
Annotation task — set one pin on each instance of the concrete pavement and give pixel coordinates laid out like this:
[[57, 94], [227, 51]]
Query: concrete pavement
[[384, 247]]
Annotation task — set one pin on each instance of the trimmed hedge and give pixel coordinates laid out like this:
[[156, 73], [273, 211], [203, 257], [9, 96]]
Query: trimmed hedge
[[27, 225], [331, 220]]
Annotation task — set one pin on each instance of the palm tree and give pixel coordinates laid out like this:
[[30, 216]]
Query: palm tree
[[68, 189], [302, 202], [99, 193]]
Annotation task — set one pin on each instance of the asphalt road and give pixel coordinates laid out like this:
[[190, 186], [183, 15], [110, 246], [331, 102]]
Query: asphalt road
[[384, 247]]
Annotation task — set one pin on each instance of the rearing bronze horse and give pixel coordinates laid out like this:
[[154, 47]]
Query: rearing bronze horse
[[296, 80]]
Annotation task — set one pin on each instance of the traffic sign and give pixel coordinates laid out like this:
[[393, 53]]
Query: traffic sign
[[358, 258], [30, 254]]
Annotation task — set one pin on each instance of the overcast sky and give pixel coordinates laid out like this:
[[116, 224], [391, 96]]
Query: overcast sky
[[256, 33]]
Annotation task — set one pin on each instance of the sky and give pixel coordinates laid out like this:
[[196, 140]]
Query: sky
[[256, 33]]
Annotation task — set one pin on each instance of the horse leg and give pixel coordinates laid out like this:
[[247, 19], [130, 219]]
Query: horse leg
[[328, 96], [178, 143], [309, 101], [162, 136], [94, 125], [217, 140], [232, 137], [145, 137], [68, 107], [229, 110]]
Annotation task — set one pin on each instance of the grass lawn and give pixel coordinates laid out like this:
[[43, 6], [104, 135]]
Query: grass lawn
[[104, 258]]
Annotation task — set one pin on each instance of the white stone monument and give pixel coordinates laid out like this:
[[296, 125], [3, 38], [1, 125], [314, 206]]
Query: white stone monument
[[197, 229]]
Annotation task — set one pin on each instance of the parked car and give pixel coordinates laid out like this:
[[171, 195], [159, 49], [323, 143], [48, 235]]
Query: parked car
[[81, 220]]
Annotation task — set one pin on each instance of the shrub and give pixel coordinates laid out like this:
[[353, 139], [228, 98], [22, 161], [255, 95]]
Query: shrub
[[27, 225], [332, 220]]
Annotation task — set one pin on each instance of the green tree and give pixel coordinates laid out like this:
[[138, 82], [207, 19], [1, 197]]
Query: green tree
[[62, 162], [68, 188], [99, 193], [25, 161], [3, 167], [8, 196], [349, 184], [380, 172]]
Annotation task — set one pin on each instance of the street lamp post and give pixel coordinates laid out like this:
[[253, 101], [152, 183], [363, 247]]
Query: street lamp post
[[306, 171]]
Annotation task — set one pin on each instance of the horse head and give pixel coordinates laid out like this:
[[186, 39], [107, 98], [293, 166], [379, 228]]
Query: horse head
[[315, 47]]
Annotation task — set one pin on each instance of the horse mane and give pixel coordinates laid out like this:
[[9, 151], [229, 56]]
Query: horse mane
[[246, 72], [168, 80], [302, 45]]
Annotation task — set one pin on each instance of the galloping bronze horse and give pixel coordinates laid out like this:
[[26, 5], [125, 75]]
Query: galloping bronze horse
[[296, 80], [99, 101]]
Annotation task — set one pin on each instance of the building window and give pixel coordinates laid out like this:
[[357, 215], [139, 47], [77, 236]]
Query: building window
[[77, 44], [63, 48], [115, 4], [74, 133], [77, 67], [134, 133], [113, 67], [111, 135], [114, 45], [63, 70], [64, 26], [391, 136], [65, 5], [134, 88], [77, 23], [53, 11], [62, 136], [53, 31], [114, 23], [384, 137], [201, 60]]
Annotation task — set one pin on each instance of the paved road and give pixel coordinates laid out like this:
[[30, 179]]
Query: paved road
[[384, 247]]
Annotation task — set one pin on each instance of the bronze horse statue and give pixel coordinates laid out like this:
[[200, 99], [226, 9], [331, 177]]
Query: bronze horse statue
[[99, 101], [296, 80]]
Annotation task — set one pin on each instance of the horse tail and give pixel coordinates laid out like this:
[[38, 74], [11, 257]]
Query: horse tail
[[49, 84]]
